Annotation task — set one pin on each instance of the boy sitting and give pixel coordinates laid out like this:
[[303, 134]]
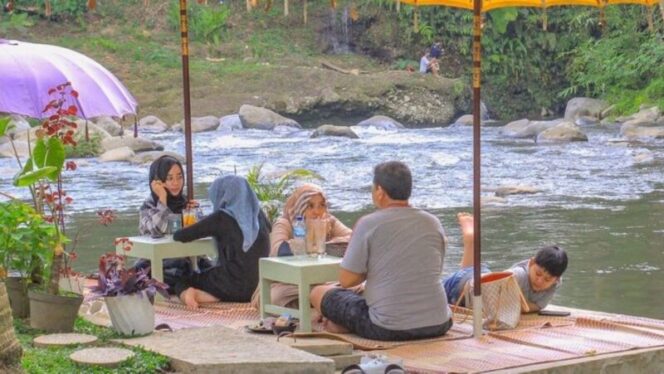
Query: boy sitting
[[538, 277]]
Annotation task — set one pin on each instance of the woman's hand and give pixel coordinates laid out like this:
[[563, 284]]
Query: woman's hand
[[159, 189], [192, 204]]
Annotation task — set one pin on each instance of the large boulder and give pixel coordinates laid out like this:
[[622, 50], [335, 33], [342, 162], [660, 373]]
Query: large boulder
[[584, 106], [332, 130], [563, 132], [93, 129], [381, 122], [203, 124], [465, 120], [534, 128], [6, 150], [515, 127], [230, 122], [109, 124], [136, 144], [117, 154], [253, 117], [504, 191], [17, 123], [636, 132], [150, 156], [646, 117], [152, 124]]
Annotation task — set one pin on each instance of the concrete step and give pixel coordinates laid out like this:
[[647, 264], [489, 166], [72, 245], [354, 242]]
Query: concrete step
[[219, 349]]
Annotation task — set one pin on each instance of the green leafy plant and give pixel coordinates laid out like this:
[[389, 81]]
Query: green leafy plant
[[84, 148], [207, 23], [26, 240], [271, 191], [42, 173]]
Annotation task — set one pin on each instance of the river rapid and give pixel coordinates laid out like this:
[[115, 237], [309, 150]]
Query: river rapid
[[602, 200]]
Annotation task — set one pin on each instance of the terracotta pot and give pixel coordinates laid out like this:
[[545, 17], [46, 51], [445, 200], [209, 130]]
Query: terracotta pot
[[17, 290], [131, 314], [53, 313]]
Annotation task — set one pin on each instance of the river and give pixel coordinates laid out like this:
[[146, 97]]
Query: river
[[596, 199]]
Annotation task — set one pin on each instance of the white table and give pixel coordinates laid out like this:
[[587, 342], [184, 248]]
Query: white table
[[156, 250], [304, 271]]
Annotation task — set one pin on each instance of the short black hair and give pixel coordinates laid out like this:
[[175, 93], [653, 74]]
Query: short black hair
[[395, 179], [553, 259]]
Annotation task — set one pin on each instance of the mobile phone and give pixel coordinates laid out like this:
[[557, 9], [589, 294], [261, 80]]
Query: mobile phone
[[556, 313]]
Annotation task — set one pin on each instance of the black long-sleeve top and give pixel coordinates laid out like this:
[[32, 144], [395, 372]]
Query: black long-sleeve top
[[235, 276]]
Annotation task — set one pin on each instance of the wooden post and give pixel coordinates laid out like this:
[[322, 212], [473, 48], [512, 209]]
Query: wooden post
[[477, 218], [304, 11], [285, 8], [184, 37]]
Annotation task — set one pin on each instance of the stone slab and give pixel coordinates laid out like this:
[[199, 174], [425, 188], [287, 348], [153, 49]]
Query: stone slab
[[343, 361], [106, 357], [62, 340], [218, 349], [320, 346]]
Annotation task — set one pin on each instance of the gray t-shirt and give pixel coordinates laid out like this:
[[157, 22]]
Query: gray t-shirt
[[541, 298], [401, 252]]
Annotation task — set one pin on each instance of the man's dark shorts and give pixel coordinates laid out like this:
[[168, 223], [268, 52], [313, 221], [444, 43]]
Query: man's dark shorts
[[350, 310]]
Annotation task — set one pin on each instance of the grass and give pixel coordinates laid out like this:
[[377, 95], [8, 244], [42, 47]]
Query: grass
[[56, 360]]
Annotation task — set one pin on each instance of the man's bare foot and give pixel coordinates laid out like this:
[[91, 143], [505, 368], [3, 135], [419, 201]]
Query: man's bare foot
[[188, 297], [467, 223], [332, 327]]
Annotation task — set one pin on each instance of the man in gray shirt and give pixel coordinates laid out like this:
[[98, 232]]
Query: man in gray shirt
[[399, 251]]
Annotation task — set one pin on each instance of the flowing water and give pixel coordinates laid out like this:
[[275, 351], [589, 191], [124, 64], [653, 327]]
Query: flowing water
[[595, 199]]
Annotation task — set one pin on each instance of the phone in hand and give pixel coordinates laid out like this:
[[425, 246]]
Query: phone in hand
[[555, 313]]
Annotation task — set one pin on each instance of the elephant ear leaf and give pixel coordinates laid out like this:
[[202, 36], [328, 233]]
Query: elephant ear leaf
[[31, 177], [4, 126], [48, 158]]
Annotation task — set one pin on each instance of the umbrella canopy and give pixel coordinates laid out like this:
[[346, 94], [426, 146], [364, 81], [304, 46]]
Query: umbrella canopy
[[30, 70], [478, 7]]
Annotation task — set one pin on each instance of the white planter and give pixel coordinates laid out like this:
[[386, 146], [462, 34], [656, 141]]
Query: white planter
[[131, 314]]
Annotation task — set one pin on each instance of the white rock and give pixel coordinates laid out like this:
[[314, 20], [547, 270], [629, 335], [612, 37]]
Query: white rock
[[117, 154]]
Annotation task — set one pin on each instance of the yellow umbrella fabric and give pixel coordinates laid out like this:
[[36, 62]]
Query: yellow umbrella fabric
[[488, 5]]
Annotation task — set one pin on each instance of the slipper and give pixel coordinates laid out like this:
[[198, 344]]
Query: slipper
[[353, 369], [263, 326], [163, 327], [394, 369]]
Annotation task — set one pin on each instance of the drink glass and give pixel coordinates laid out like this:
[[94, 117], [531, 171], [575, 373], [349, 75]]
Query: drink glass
[[316, 235], [189, 217], [174, 223]]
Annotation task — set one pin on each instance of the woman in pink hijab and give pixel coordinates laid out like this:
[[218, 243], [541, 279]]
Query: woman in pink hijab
[[308, 201]]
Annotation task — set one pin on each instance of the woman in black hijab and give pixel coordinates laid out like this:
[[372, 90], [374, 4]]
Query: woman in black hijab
[[166, 185], [166, 197]]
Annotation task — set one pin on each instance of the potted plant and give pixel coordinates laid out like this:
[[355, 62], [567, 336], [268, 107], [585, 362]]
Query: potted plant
[[129, 294], [42, 174], [25, 244]]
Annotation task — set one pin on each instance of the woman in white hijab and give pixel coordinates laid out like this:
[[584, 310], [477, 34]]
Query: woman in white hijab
[[242, 235]]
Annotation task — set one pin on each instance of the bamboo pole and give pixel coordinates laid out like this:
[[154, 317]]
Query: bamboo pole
[[477, 218], [187, 103]]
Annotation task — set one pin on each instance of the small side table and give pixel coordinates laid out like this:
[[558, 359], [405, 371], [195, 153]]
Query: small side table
[[157, 249], [303, 271]]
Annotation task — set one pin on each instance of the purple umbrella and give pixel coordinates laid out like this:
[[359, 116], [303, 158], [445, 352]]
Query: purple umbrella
[[29, 70]]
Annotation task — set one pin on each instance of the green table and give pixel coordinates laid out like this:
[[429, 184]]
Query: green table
[[303, 271]]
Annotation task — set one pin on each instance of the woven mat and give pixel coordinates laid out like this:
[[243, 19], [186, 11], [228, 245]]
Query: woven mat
[[233, 315], [471, 355], [526, 346]]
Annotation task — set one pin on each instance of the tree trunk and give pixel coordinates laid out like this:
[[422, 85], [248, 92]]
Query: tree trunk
[[285, 8], [304, 11], [10, 348]]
